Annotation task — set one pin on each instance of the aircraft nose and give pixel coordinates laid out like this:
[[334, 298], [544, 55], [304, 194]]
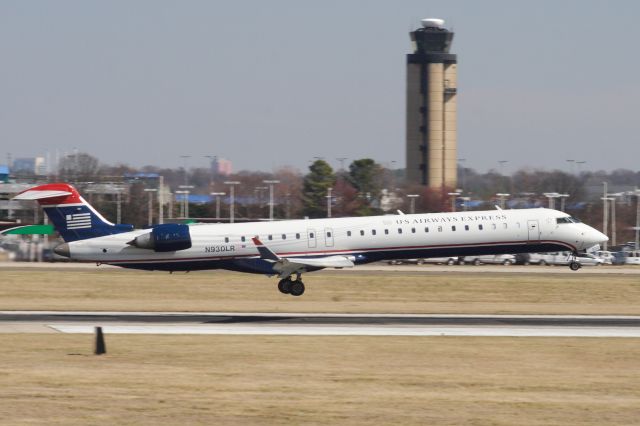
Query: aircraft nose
[[62, 250]]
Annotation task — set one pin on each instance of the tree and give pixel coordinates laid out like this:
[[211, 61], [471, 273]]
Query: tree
[[367, 177], [79, 167], [315, 189]]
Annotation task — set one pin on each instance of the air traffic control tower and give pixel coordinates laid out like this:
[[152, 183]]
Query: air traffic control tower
[[431, 107]]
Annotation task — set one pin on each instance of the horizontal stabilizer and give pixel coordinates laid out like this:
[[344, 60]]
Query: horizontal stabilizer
[[32, 194]]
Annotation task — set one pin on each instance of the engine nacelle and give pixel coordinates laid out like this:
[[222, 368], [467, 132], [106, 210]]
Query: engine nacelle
[[162, 238]]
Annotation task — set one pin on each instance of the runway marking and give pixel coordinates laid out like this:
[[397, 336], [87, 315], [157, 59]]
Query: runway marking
[[288, 330]]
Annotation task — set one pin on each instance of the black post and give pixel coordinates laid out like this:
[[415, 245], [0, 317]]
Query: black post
[[101, 348]]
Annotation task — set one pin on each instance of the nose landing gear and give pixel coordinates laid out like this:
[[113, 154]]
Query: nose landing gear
[[574, 265], [292, 287]]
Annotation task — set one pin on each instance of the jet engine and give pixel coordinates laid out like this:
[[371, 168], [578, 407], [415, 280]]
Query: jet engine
[[163, 238]]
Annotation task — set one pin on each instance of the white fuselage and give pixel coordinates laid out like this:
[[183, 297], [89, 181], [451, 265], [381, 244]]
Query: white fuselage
[[363, 239]]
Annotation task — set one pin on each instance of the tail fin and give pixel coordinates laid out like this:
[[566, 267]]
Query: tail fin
[[71, 215]]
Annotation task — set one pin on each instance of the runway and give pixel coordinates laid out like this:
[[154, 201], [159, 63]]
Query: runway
[[297, 324]]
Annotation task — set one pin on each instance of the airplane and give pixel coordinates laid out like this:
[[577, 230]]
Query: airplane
[[289, 248]]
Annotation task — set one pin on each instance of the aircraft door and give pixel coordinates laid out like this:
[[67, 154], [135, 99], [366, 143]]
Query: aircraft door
[[328, 237], [311, 237], [534, 231]]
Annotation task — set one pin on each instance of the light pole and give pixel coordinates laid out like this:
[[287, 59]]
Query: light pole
[[637, 227], [453, 196], [182, 204], [187, 189], [462, 169], [232, 198], [573, 165], [341, 160], [503, 197], [329, 190], [271, 183], [118, 205], [150, 191], [161, 199], [613, 198], [502, 176], [217, 195], [184, 159], [412, 197]]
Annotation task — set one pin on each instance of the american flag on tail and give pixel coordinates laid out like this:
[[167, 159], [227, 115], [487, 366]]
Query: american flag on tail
[[79, 221]]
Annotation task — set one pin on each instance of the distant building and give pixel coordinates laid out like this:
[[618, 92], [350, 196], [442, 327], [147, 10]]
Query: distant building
[[32, 165], [221, 167], [431, 145]]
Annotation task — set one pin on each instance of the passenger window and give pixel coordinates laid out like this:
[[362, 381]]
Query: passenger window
[[413, 230], [226, 239], [311, 235], [504, 225], [399, 230], [480, 227], [493, 225], [297, 236], [439, 228], [453, 228], [328, 234], [348, 233], [270, 237], [466, 227], [518, 224], [242, 239], [373, 232], [284, 236], [361, 232], [386, 232], [426, 229]]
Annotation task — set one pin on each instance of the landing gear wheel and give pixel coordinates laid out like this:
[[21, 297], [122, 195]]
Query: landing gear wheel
[[476, 262], [297, 288], [574, 266], [285, 286]]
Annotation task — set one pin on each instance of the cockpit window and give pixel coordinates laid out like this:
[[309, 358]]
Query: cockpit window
[[567, 219]]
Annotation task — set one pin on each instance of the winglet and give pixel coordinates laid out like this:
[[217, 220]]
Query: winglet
[[265, 252]]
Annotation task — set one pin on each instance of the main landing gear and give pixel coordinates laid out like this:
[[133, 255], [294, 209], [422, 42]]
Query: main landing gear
[[292, 287]]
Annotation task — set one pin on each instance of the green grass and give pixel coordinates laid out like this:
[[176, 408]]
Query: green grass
[[331, 291]]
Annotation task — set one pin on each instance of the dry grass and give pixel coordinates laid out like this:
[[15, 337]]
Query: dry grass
[[54, 379], [332, 291]]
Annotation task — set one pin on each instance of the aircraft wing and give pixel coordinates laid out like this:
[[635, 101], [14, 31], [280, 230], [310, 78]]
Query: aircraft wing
[[286, 266], [323, 262]]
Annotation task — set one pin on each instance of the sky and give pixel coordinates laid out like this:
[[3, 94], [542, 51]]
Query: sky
[[276, 83]]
